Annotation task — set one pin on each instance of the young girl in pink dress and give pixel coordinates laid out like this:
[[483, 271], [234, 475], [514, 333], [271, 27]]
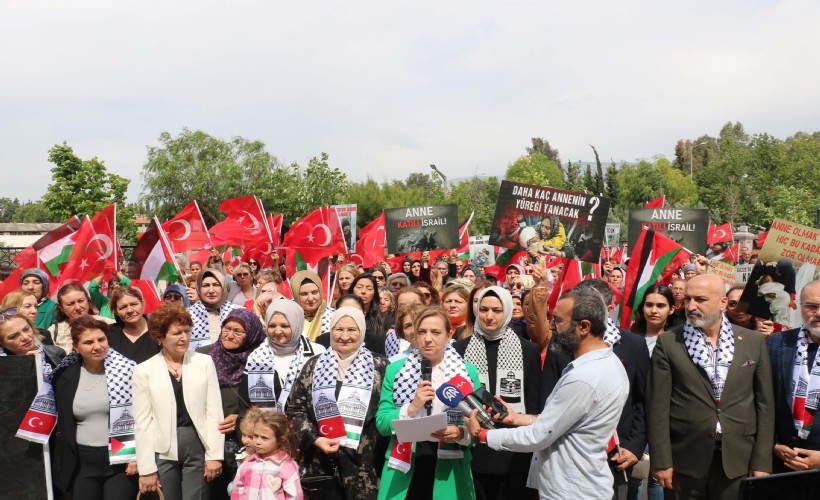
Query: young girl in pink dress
[[270, 473]]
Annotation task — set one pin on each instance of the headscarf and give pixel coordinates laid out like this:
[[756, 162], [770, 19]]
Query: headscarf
[[470, 267], [296, 282], [521, 270], [230, 363], [295, 315], [358, 317], [398, 276], [213, 273], [687, 268], [42, 276], [180, 290], [507, 305]]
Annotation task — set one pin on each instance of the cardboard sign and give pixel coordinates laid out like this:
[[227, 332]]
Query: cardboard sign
[[558, 221], [788, 261], [724, 270], [742, 273], [347, 221], [417, 229], [686, 226]]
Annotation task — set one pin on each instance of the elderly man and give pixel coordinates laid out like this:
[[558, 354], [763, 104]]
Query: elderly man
[[703, 439], [571, 435], [796, 377]]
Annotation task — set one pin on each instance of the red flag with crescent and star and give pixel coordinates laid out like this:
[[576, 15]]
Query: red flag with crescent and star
[[332, 427], [318, 229], [187, 230], [719, 234], [370, 247], [96, 252]]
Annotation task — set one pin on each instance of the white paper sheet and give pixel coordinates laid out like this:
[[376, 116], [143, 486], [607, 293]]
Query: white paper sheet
[[419, 429]]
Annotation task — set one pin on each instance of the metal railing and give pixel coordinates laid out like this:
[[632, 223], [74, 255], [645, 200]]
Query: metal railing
[[7, 255]]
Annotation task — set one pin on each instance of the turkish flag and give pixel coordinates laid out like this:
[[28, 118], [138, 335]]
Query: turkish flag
[[187, 230], [150, 294], [39, 423], [332, 427], [370, 247], [733, 253], [95, 251], [719, 234], [275, 223], [657, 202], [319, 228], [761, 239]]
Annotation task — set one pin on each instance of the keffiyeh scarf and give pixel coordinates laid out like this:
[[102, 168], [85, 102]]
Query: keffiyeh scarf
[[509, 378], [612, 335], [200, 334], [46, 365], [260, 370], [41, 417], [342, 418], [715, 362], [805, 386], [404, 390]]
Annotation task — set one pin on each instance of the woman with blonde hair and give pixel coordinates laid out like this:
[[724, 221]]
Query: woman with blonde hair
[[344, 281], [25, 303]]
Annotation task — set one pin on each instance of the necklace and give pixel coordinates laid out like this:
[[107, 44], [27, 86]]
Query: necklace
[[99, 378], [174, 371]]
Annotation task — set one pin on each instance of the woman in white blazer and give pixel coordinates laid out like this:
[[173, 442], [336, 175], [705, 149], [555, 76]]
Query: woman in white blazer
[[177, 408]]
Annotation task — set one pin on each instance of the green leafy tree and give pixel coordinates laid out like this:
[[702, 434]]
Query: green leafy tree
[[613, 191], [479, 195], [573, 181], [84, 187], [33, 211], [536, 169], [542, 146], [589, 182], [7, 209]]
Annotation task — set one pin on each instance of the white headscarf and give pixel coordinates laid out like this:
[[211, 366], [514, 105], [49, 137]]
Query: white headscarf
[[507, 305]]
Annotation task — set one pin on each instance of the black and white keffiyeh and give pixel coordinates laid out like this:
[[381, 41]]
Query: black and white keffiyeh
[[805, 386], [715, 362], [612, 335], [119, 372], [46, 366], [260, 370], [200, 333], [391, 344], [354, 396], [509, 379]]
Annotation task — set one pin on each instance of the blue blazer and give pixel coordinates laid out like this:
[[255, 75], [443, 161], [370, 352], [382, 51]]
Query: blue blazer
[[782, 348]]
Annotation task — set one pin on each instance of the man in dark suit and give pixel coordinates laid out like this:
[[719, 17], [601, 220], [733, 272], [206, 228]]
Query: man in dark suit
[[797, 438], [711, 406], [632, 351]]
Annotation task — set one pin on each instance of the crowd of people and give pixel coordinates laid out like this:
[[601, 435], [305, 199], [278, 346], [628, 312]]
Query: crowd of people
[[230, 389]]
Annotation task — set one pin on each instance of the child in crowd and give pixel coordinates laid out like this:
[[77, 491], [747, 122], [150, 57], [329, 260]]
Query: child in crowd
[[270, 473]]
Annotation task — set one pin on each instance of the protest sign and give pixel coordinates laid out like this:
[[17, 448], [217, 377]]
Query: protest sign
[[347, 221], [685, 226], [561, 223], [613, 235], [788, 261], [723, 270], [742, 273], [416, 229], [26, 459]]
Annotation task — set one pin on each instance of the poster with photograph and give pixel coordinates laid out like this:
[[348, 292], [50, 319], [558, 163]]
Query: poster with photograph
[[613, 235], [788, 261], [551, 221], [347, 221], [482, 255], [417, 229], [685, 226]]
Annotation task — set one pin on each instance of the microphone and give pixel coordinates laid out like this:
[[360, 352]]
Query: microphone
[[427, 374], [458, 393]]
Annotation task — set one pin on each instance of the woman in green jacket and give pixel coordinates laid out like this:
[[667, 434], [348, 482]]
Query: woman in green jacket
[[439, 468]]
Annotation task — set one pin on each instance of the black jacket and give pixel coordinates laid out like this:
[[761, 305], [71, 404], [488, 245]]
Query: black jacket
[[634, 355], [65, 462]]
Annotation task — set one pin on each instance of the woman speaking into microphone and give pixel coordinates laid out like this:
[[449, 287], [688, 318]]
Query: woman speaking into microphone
[[439, 468]]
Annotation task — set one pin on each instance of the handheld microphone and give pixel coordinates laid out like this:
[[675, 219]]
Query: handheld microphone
[[427, 374], [458, 393]]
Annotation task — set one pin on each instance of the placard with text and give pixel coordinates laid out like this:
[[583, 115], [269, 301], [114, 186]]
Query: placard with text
[[686, 226], [417, 229]]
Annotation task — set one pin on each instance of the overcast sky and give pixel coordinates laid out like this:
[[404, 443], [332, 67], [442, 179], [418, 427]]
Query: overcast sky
[[386, 88]]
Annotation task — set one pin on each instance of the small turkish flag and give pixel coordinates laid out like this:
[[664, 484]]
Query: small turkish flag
[[332, 427], [38, 422]]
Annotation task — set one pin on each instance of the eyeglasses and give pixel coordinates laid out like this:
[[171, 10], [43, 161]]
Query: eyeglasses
[[236, 332], [517, 286], [242, 275], [732, 304], [173, 297], [378, 278], [252, 263], [11, 311]]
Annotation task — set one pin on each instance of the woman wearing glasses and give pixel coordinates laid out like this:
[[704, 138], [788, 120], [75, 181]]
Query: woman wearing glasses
[[244, 290], [177, 293], [242, 332], [129, 335], [746, 320]]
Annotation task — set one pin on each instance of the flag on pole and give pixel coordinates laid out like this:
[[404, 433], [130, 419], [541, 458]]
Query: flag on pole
[[95, 251], [154, 256], [658, 202], [654, 259], [319, 228], [187, 230], [370, 246], [719, 234]]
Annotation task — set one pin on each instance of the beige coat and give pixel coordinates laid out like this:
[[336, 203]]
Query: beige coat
[[155, 409]]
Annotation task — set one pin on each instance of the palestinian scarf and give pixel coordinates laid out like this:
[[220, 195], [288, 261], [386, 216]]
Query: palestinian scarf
[[343, 417], [260, 366], [509, 380], [46, 366], [404, 390], [200, 333], [41, 417], [296, 282], [393, 346], [715, 362], [230, 363], [612, 335], [805, 386]]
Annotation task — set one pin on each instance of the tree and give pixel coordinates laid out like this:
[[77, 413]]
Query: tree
[[589, 182], [542, 146], [612, 191], [7, 209], [33, 211], [84, 187], [643, 181], [536, 169], [476, 195], [573, 181]]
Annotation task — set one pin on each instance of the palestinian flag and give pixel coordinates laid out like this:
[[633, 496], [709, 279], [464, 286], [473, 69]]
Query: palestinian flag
[[654, 259], [54, 248], [153, 253], [122, 445], [310, 259]]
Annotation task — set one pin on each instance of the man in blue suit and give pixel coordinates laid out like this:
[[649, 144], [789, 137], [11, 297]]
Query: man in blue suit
[[796, 377]]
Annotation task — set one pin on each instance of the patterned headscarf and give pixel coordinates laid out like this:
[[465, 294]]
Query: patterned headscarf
[[230, 363]]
